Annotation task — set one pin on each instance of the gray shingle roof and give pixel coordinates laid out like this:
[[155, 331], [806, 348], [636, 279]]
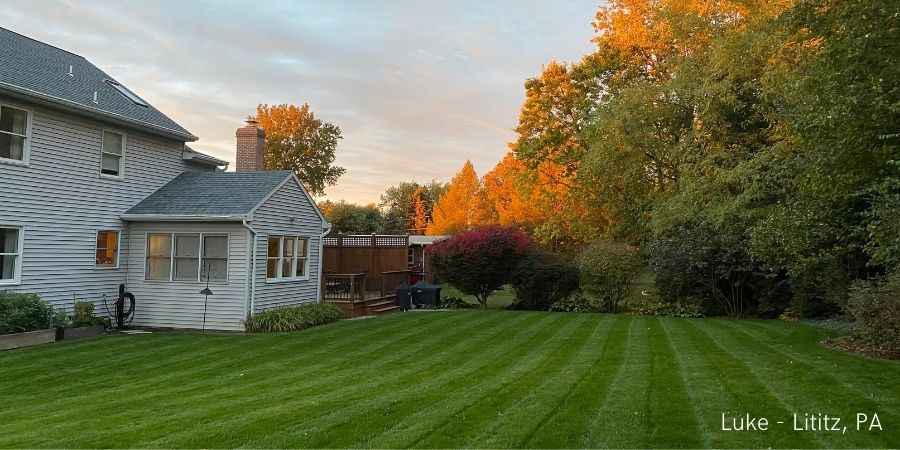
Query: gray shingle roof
[[210, 194], [33, 68]]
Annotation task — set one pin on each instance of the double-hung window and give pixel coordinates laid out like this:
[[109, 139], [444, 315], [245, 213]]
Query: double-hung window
[[187, 257], [10, 255], [14, 133], [112, 154], [288, 258], [107, 253], [159, 257]]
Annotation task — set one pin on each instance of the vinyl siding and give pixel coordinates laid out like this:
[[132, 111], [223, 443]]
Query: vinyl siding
[[179, 304], [61, 201], [274, 218]]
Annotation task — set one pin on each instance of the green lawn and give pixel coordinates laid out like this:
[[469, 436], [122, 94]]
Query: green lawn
[[498, 300], [448, 379]]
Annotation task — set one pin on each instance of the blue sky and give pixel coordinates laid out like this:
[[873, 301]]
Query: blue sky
[[417, 87]]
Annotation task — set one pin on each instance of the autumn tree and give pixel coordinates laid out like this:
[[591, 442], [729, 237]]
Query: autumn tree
[[400, 208], [463, 206], [512, 192], [296, 140], [349, 218], [421, 213]]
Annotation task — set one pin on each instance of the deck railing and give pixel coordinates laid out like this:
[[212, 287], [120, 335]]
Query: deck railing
[[391, 280], [344, 286], [352, 286]]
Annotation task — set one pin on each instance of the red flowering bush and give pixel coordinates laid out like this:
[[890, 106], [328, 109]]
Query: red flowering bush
[[480, 261]]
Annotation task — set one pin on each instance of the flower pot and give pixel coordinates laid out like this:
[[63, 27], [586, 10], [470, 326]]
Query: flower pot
[[27, 339], [82, 332]]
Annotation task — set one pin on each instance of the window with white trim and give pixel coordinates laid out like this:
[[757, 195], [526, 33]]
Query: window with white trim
[[215, 257], [159, 257], [10, 255], [187, 257], [14, 133], [287, 258], [107, 253], [112, 154]]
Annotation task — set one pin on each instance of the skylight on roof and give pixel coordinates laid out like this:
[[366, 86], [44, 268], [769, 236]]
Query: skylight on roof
[[127, 93]]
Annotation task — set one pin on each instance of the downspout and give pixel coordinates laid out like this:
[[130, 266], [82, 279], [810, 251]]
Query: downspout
[[251, 283], [321, 246]]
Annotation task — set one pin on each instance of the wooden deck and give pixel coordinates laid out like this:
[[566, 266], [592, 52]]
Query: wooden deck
[[350, 293]]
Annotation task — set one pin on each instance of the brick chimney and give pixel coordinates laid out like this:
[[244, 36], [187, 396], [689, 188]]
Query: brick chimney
[[251, 148]]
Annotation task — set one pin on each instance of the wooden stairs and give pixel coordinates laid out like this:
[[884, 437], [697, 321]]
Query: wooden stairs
[[370, 307]]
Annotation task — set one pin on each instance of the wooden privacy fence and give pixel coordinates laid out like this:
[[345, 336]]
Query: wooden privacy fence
[[379, 257]]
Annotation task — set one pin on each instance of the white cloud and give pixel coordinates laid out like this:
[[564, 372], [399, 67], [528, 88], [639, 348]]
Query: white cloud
[[416, 87]]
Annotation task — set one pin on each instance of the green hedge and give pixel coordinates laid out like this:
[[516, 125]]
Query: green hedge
[[22, 312], [293, 318]]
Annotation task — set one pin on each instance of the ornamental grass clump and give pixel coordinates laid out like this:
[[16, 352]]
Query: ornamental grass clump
[[293, 318]]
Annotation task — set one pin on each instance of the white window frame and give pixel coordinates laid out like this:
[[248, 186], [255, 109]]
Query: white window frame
[[20, 252], [200, 278], [121, 175], [26, 147], [280, 265], [118, 247]]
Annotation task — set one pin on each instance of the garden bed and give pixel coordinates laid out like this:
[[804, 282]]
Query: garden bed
[[71, 334], [27, 339]]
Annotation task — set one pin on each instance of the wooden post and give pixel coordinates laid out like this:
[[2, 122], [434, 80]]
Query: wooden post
[[352, 290]]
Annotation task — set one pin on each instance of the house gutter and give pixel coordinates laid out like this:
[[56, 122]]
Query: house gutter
[[181, 218], [321, 246], [251, 283]]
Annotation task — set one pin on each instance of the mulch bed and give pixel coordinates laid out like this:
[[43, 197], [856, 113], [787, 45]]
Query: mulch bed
[[852, 344]]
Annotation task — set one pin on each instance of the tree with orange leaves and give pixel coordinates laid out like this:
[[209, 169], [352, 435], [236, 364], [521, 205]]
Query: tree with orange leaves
[[419, 208], [511, 191], [463, 206], [296, 140]]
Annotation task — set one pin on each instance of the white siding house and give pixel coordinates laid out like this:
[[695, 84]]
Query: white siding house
[[90, 176], [256, 236]]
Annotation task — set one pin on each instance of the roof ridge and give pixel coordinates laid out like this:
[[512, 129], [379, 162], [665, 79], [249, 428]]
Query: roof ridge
[[43, 43]]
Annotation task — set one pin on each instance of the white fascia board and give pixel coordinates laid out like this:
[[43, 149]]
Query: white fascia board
[[182, 218]]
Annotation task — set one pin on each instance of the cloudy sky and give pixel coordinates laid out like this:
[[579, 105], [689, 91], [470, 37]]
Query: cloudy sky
[[417, 87]]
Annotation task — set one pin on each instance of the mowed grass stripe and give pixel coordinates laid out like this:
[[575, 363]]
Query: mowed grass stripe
[[627, 387], [443, 405], [689, 388], [723, 384], [347, 390], [574, 414], [670, 420], [840, 368], [798, 388]]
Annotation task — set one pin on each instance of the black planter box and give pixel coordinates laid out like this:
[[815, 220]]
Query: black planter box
[[69, 334]]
